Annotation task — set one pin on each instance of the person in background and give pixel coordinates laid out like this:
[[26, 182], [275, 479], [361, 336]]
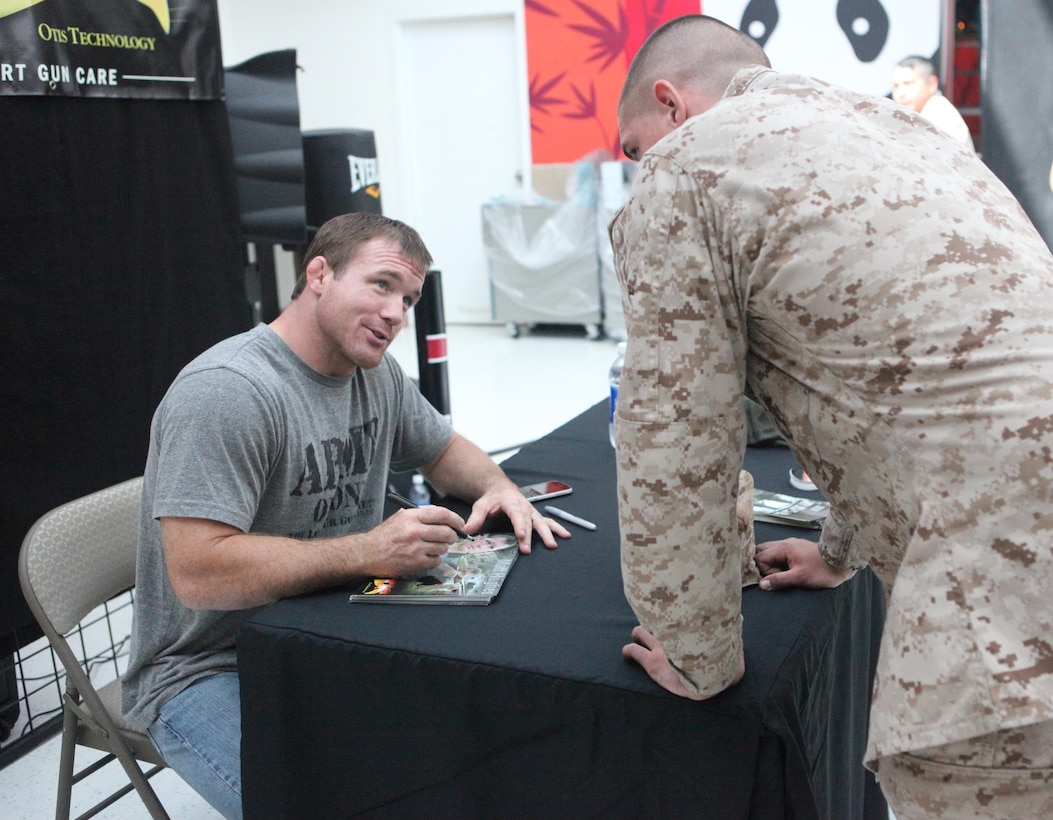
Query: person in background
[[915, 85], [886, 300], [266, 476]]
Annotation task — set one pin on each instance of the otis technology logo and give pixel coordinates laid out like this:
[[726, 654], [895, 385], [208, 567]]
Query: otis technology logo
[[158, 7], [121, 48]]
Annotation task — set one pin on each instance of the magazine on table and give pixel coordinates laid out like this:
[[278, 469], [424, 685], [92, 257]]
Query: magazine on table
[[777, 508], [471, 572]]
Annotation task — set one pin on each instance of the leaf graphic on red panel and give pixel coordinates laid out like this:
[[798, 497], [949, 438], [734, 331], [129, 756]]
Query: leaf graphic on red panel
[[651, 14], [588, 110], [586, 105], [540, 8], [608, 38], [644, 16], [584, 47], [541, 99]]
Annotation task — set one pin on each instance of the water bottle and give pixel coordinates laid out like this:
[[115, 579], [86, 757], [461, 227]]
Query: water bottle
[[418, 493], [615, 377]]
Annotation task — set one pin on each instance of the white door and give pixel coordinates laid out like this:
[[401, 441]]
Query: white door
[[461, 96]]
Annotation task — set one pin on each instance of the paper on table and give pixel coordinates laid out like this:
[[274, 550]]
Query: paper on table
[[466, 578], [789, 509], [484, 542]]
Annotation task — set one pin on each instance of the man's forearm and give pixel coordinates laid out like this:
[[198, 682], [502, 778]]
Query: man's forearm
[[464, 471], [215, 566]]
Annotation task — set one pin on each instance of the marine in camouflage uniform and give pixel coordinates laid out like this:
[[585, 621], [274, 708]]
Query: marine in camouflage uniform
[[887, 301]]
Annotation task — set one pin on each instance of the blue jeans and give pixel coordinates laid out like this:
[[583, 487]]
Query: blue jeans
[[198, 732]]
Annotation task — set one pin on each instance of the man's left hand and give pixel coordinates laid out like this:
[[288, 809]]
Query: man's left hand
[[524, 517], [797, 562]]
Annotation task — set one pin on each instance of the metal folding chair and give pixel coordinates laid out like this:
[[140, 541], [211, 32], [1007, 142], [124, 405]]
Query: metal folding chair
[[73, 559]]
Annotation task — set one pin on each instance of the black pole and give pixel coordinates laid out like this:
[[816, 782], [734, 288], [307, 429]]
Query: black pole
[[431, 344], [268, 272]]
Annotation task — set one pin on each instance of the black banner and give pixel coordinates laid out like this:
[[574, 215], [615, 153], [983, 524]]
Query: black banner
[[156, 49]]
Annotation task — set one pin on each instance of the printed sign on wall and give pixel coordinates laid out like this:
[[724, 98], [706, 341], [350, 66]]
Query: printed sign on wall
[[851, 43], [167, 49], [578, 52]]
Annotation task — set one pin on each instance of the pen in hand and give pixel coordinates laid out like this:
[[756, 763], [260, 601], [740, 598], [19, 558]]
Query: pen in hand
[[406, 504]]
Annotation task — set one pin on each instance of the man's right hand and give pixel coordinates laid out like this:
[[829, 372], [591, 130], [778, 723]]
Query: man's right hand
[[648, 651], [412, 540]]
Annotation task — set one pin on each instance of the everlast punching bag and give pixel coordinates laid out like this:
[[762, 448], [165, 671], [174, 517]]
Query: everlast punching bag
[[341, 174]]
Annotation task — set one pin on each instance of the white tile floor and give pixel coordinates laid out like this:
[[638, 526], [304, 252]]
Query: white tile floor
[[503, 392]]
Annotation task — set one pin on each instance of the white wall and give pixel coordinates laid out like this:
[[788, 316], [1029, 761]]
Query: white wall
[[349, 53], [353, 61], [808, 40]]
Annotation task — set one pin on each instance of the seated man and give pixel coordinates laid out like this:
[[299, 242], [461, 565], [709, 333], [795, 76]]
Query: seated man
[[915, 85], [266, 476]]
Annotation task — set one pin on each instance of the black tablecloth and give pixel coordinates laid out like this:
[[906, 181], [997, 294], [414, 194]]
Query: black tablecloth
[[525, 708]]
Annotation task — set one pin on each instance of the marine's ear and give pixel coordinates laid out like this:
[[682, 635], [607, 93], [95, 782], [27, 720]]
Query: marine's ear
[[671, 98]]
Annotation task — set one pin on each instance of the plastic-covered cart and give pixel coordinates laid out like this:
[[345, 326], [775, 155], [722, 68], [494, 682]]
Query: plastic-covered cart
[[544, 266]]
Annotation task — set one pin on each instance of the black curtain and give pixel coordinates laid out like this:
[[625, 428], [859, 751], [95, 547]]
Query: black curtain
[[1017, 102], [120, 259]]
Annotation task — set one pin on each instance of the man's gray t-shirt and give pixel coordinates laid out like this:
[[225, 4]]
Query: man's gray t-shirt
[[249, 435]]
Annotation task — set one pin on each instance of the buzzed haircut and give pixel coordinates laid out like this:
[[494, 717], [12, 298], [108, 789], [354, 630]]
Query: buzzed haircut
[[695, 50], [340, 239]]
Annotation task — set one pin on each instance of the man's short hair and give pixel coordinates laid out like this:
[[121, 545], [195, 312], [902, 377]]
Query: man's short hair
[[695, 50], [340, 239], [923, 65]]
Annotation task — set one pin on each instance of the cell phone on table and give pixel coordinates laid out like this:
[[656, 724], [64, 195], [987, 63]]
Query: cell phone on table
[[545, 489]]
